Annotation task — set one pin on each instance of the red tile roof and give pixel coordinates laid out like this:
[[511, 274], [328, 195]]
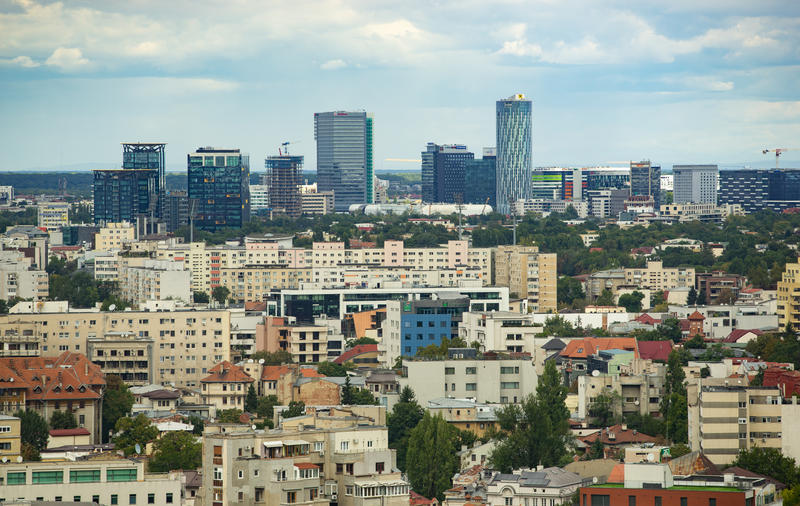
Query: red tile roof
[[655, 350], [737, 334], [225, 372], [273, 372], [696, 316], [310, 372], [69, 432], [646, 319], [69, 376], [415, 499], [582, 348], [355, 351], [305, 465], [621, 437]]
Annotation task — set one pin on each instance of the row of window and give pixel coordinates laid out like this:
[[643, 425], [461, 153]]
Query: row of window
[[75, 476], [114, 498]]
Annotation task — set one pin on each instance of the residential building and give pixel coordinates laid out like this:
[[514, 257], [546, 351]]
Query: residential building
[[657, 277], [6, 195], [98, 480], [114, 236], [496, 378], [259, 198], [546, 486], [646, 181], [147, 156], [362, 356], [598, 281], [607, 203], [344, 463], [306, 343], [528, 274], [716, 283], [219, 184], [500, 331], [68, 382], [735, 417], [700, 212], [106, 265], [465, 414], [720, 320], [317, 202], [443, 172], [254, 282], [143, 279], [187, 342], [481, 179], [53, 215], [638, 393], [17, 279], [10, 437], [427, 322], [514, 151], [126, 355], [176, 209], [654, 483], [124, 194], [284, 176], [695, 184], [345, 156], [226, 386], [547, 206], [789, 297]]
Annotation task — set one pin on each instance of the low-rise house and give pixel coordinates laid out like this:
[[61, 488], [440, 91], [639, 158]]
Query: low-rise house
[[616, 438], [226, 386], [465, 414], [548, 486], [68, 437]]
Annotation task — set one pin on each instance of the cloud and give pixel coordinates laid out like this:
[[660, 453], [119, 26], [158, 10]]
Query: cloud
[[67, 59], [333, 65], [21, 61]]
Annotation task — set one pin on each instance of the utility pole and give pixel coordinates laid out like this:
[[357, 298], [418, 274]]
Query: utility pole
[[460, 207]]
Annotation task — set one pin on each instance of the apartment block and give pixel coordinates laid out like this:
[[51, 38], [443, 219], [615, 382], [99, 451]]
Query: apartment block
[[100, 480], [500, 331], [254, 282], [501, 380], [18, 280], [53, 215], [126, 355], [186, 342], [10, 437], [529, 275], [732, 418], [657, 277], [345, 464], [306, 343], [317, 202], [113, 236], [639, 393], [226, 386], [789, 297], [465, 414], [141, 280]]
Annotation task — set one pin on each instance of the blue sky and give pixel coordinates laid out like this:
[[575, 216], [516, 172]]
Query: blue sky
[[710, 81]]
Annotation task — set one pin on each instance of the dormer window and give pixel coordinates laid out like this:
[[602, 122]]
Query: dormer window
[[57, 389], [38, 389], [70, 389], [82, 388]]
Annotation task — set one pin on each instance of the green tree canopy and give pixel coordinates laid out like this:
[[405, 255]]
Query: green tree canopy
[[220, 294], [229, 415], [632, 302], [265, 406], [296, 408], [132, 431], [770, 462], [176, 450], [34, 433], [405, 415], [117, 403], [431, 459], [273, 358], [674, 406], [63, 420], [251, 401], [333, 370], [603, 409], [200, 298], [197, 423]]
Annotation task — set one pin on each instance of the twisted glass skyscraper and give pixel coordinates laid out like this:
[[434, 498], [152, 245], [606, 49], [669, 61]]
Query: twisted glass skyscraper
[[513, 151]]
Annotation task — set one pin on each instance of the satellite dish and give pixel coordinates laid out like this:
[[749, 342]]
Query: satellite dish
[[19, 459], [261, 361], [137, 448], [253, 427], [651, 457], [5, 459], [594, 479], [112, 307], [595, 373]]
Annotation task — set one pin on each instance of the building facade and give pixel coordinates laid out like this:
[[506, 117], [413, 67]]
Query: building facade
[[514, 151], [344, 156], [444, 172], [148, 156], [529, 275], [123, 195], [219, 184], [284, 176], [114, 236], [646, 181], [695, 184], [53, 215], [657, 277], [789, 297], [481, 177]]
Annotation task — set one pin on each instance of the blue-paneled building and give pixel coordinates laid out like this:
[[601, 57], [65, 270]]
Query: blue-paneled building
[[426, 322]]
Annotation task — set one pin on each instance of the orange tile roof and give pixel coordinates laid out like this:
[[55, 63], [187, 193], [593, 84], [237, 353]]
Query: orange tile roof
[[617, 474], [310, 372], [582, 348], [273, 372], [305, 465], [69, 376], [225, 372], [626, 436], [696, 316], [355, 351]]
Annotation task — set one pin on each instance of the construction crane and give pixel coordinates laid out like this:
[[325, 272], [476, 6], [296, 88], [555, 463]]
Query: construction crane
[[778, 152], [285, 146], [483, 209]]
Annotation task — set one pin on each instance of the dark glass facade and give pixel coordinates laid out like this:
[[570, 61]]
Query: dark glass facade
[[443, 172], [481, 181], [755, 189], [124, 194], [150, 156], [646, 180], [284, 179], [219, 188], [176, 210]]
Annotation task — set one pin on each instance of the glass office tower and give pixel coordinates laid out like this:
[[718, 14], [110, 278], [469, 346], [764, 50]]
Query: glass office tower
[[345, 156], [481, 179], [646, 180], [219, 186], [284, 176], [124, 194], [443, 172], [514, 151], [148, 155]]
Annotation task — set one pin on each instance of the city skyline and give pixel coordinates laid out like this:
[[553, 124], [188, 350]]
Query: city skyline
[[710, 83]]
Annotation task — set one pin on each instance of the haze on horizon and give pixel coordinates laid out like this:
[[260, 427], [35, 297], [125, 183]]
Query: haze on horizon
[[675, 82]]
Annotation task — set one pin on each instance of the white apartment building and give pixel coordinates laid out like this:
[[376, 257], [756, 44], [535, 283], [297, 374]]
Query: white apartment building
[[546, 486], [106, 265], [186, 342], [657, 277], [53, 215], [259, 197], [141, 280], [113, 236], [500, 331], [722, 320], [489, 381]]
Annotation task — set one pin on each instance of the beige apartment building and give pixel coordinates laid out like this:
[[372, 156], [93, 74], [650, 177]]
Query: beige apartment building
[[53, 215], [186, 342], [16, 280], [349, 465], [529, 275], [789, 297], [732, 418], [126, 355], [657, 277], [142, 279], [253, 282], [114, 236], [306, 343], [10, 437], [226, 386], [317, 202]]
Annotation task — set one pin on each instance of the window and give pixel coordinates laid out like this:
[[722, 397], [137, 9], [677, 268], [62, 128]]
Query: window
[[151, 498], [658, 501], [472, 370], [15, 478], [169, 497], [241, 474], [684, 501], [509, 384], [291, 497], [471, 387], [84, 476], [132, 499], [114, 499], [712, 501], [378, 467], [601, 500], [509, 501], [121, 475], [42, 477], [631, 500], [344, 445], [95, 498], [449, 370]]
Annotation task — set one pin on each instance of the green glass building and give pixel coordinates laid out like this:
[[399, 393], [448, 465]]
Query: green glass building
[[219, 188]]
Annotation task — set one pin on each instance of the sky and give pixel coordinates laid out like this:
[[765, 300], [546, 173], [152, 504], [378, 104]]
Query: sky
[[680, 81]]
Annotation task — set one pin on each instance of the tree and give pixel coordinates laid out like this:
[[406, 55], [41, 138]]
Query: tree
[[552, 393], [569, 290], [696, 343], [701, 298], [770, 462], [117, 403], [691, 299], [279, 357], [363, 397], [352, 343], [251, 401], [229, 415], [726, 296], [658, 299], [603, 408], [405, 415], [679, 450], [34, 433], [296, 408], [632, 302], [332, 369], [220, 294], [197, 423], [133, 431], [673, 405], [606, 298], [670, 328], [597, 450], [265, 406], [646, 424], [176, 450], [347, 392], [63, 420], [431, 460], [200, 298]]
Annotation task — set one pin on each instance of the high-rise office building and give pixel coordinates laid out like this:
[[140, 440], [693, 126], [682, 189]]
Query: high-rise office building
[[219, 187], [124, 194], [148, 155], [176, 210], [514, 151], [443, 172], [695, 184], [756, 189], [344, 156], [283, 174], [481, 179], [646, 181]]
